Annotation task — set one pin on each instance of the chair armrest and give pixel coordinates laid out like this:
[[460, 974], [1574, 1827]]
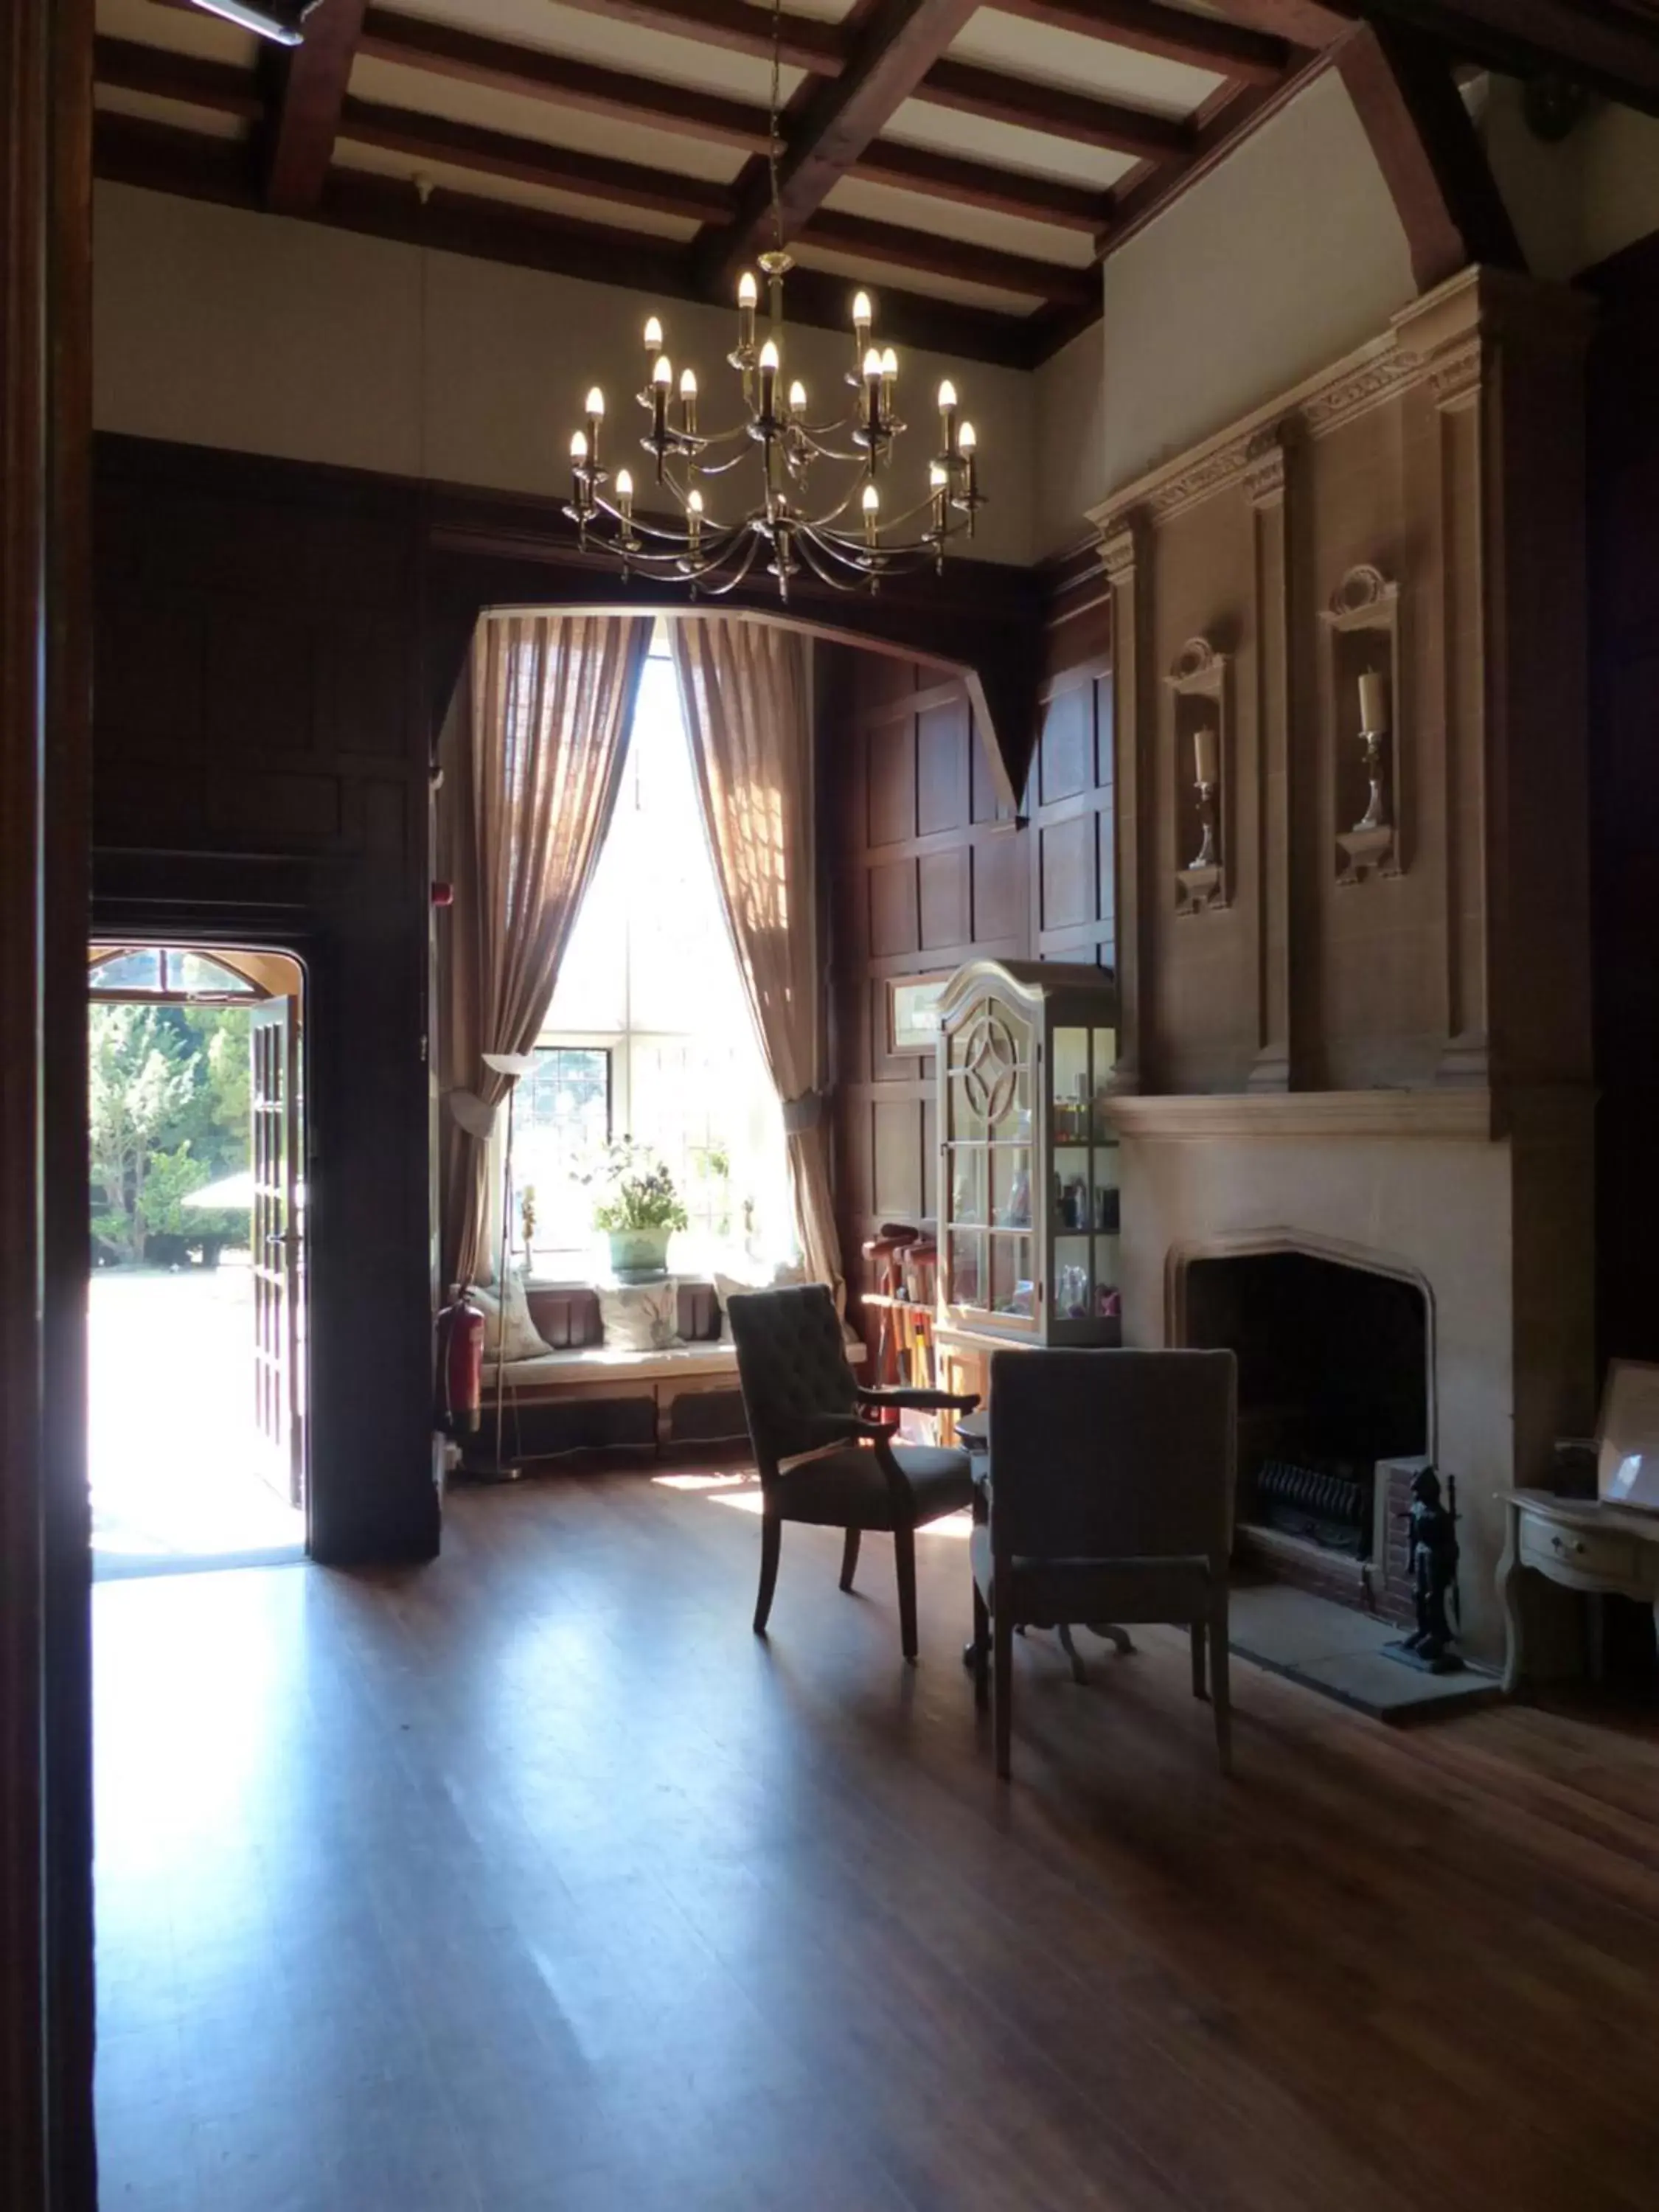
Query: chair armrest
[[920, 1401], [843, 1428]]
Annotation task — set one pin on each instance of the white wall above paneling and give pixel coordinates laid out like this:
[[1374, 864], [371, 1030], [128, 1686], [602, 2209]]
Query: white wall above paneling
[[218, 327]]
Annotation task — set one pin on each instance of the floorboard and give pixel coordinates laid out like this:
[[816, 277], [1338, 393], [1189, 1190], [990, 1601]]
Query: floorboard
[[533, 1878]]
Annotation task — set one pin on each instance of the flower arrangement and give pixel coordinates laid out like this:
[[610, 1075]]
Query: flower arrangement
[[637, 1190]]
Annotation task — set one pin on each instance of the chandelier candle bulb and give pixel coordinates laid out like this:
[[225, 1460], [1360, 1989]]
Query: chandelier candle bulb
[[654, 340], [873, 399], [871, 503], [947, 416], [748, 297], [694, 518], [1204, 758], [768, 375], [688, 401], [797, 399], [1373, 703]]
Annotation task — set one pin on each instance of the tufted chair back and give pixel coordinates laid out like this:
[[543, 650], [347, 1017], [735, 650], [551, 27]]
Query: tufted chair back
[[792, 1363]]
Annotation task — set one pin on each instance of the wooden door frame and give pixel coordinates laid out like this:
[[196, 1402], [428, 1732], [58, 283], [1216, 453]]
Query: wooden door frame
[[47, 2157]]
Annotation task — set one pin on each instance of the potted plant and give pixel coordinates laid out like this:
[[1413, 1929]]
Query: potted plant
[[638, 1208]]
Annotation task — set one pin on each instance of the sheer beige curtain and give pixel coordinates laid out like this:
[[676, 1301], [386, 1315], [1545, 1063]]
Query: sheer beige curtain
[[744, 686], [550, 699]]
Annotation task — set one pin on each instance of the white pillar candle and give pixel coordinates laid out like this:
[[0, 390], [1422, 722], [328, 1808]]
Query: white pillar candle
[[1373, 702], [1204, 755]]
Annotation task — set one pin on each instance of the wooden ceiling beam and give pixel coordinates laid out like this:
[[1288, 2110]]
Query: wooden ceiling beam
[[1612, 47], [532, 161], [221, 87], [808, 42], [1054, 111], [896, 47], [1205, 42], [413, 42], [1222, 125], [132, 149], [1427, 146], [979, 183], [311, 82], [904, 248], [1306, 23]]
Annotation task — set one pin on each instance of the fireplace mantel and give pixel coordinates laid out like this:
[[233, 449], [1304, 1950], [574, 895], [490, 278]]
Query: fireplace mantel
[[1448, 1113]]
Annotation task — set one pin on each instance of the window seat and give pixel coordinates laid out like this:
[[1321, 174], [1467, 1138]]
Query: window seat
[[584, 1394]]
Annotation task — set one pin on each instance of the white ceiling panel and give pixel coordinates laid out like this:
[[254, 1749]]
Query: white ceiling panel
[[524, 117], [509, 192], [1008, 145], [1085, 65], [603, 39], [176, 113], [180, 30], [1007, 233], [874, 279]]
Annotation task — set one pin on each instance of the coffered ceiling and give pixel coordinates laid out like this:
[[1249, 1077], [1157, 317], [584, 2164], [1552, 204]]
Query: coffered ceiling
[[978, 161]]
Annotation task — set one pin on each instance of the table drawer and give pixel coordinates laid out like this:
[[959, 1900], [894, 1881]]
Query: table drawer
[[1605, 1556]]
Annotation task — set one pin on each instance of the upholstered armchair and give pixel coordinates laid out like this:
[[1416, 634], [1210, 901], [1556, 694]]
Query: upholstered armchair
[[1111, 1499], [822, 1460]]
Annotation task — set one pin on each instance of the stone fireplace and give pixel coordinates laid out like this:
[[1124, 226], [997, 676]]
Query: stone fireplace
[[1335, 1389], [1354, 1075]]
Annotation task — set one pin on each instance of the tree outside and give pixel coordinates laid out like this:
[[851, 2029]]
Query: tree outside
[[169, 1100]]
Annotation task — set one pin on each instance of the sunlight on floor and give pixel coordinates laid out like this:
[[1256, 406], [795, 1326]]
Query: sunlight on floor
[[741, 1488]]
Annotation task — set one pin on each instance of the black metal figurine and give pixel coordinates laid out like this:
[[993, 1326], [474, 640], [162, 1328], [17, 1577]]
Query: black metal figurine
[[1431, 1560]]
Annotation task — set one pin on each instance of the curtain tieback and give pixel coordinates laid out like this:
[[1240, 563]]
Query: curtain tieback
[[802, 1114]]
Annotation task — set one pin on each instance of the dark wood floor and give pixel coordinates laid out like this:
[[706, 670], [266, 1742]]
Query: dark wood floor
[[533, 1880]]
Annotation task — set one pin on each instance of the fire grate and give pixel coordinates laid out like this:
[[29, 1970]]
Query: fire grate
[[1322, 1506]]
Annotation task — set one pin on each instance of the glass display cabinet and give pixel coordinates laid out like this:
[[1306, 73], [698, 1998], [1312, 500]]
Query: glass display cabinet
[[1028, 1191]]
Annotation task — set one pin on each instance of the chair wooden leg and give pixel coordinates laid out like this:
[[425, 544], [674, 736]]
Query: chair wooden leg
[[1220, 1685], [1200, 1687], [849, 1559], [771, 1539], [1002, 1689], [980, 1649], [1069, 1645], [904, 1559]]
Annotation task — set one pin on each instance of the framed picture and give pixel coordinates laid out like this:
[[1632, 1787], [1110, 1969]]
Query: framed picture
[[1627, 1443], [912, 1012]]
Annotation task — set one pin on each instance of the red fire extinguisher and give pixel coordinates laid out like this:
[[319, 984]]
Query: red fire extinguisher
[[460, 1365]]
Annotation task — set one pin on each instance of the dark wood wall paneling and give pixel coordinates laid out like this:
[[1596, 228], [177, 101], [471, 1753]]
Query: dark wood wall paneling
[[261, 771], [929, 867], [276, 645], [47, 2149], [1624, 762]]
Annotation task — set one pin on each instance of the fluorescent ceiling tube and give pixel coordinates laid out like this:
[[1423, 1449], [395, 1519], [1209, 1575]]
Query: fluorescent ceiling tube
[[282, 20]]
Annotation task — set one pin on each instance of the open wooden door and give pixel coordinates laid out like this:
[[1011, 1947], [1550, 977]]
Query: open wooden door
[[277, 1255]]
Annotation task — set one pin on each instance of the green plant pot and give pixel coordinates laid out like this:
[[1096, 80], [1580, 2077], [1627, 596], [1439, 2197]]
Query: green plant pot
[[639, 1255]]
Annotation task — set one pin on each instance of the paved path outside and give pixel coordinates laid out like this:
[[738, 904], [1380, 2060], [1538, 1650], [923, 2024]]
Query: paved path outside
[[173, 1451]]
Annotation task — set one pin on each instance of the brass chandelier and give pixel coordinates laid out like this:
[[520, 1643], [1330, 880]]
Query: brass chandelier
[[852, 542]]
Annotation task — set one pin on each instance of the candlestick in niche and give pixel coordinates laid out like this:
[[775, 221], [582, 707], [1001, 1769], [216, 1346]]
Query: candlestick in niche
[[1206, 766], [1373, 727]]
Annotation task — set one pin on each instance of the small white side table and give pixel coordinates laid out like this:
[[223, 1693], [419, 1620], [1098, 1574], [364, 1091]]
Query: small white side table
[[1599, 1550]]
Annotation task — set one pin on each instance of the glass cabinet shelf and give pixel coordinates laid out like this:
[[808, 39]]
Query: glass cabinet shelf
[[1029, 1190]]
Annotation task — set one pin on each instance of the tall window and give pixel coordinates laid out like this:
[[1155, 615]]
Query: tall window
[[649, 1034]]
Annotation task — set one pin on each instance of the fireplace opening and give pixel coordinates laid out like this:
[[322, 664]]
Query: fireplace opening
[[1332, 1387]]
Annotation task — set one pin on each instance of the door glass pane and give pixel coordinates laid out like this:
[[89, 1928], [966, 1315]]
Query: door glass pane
[[1105, 1061], [1072, 1202], [1106, 1190], [1073, 1282], [967, 1184], [194, 971], [1010, 1187], [1071, 1086], [967, 1109], [129, 971], [968, 1267], [1010, 1283]]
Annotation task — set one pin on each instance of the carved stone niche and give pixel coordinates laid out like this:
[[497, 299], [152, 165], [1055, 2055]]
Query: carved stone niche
[[1203, 746], [1362, 659]]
